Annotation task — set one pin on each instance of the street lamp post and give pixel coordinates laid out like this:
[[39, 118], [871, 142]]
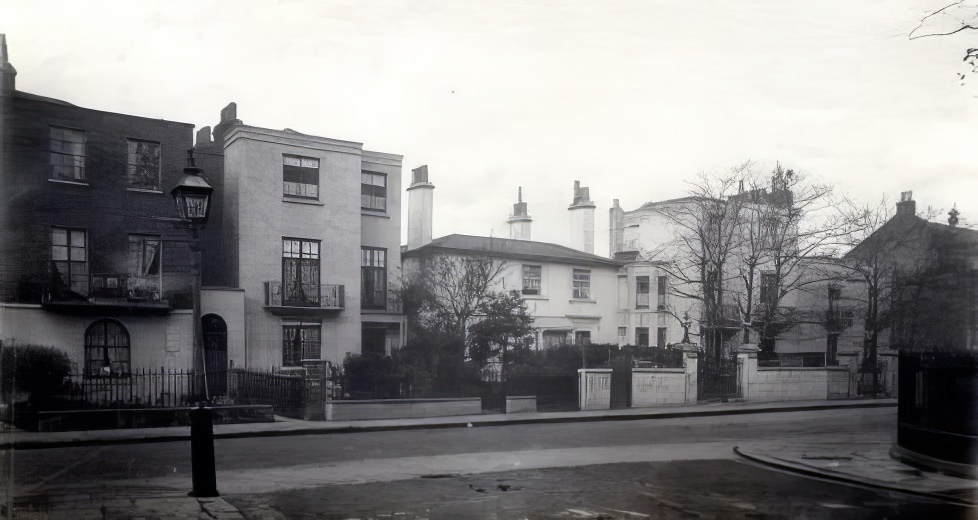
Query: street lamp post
[[192, 197]]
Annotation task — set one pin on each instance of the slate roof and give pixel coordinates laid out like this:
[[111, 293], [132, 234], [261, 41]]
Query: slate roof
[[510, 249]]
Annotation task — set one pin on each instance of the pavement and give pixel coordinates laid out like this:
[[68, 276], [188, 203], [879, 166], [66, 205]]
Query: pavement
[[865, 463]]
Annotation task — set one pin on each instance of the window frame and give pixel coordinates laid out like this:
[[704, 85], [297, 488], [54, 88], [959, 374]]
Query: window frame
[[662, 337], [133, 165], [63, 151], [95, 365], [661, 291], [301, 174], [640, 302], [639, 334], [581, 284], [83, 274], [302, 262], [294, 348], [768, 290], [527, 276], [140, 293], [367, 198], [368, 259], [582, 337]]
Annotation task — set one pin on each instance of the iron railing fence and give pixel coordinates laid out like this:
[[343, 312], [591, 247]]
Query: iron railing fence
[[285, 391], [164, 388]]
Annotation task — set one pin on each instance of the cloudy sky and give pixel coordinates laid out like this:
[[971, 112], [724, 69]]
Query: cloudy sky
[[632, 98]]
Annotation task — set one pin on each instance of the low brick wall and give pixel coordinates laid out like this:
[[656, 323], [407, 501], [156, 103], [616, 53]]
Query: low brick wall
[[401, 408], [788, 384], [521, 403], [73, 420], [839, 382], [656, 386]]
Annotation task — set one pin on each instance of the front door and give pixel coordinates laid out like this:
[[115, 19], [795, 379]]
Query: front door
[[215, 339]]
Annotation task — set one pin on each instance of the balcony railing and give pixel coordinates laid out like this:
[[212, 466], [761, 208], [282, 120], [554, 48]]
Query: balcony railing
[[311, 296], [116, 285]]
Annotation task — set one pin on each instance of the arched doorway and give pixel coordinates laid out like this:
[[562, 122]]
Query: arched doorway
[[214, 332]]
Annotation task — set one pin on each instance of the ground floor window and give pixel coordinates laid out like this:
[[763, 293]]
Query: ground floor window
[[300, 340], [106, 349], [554, 338], [582, 337], [373, 340], [642, 336], [662, 337]]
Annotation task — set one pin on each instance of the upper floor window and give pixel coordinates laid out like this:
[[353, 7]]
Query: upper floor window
[[143, 170], [106, 349], [300, 176], [373, 191], [532, 275], [373, 278], [661, 283], [300, 272], [67, 154], [144, 280], [69, 256], [835, 294], [769, 289], [582, 284], [641, 292]]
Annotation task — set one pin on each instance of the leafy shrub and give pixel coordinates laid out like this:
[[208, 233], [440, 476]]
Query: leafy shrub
[[39, 372]]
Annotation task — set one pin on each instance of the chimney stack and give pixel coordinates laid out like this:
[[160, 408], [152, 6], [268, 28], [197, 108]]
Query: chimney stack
[[229, 118], [420, 208], [8, 74], [616, 229], [906, 206], [519, 222], [582, 220]]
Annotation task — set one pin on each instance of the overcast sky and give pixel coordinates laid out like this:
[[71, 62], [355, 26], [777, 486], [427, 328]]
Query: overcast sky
[[632, 98]]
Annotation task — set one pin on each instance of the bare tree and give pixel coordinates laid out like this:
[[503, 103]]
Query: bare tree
[[452, 289], [706, 232], [788, 228], [951, 19]]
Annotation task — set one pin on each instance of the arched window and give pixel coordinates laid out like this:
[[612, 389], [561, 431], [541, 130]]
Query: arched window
[[106, 349]]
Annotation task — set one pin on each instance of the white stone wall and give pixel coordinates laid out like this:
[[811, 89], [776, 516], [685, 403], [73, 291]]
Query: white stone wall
[[155, 341], [788, 384], [657, 386], [595, 389]]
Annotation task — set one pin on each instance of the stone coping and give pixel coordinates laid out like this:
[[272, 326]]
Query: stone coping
[[805, 369], [404, 401]]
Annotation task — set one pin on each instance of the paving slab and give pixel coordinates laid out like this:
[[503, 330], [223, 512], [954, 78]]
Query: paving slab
[[867, 464]]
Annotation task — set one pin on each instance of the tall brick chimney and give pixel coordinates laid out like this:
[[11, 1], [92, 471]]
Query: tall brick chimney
[[519, 222], [8, 73], [420, 208], [581, 220], [906, 206]]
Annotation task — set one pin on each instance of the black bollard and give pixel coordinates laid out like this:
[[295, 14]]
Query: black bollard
[[202, 451]]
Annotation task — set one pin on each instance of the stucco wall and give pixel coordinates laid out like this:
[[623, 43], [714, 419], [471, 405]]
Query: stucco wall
[[788, 384], [155, 341], [652, 387], [253, 157]]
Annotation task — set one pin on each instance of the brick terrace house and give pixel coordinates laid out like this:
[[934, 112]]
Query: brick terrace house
[[91, 258]]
